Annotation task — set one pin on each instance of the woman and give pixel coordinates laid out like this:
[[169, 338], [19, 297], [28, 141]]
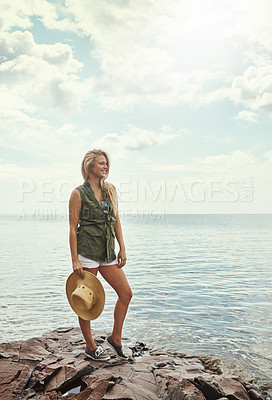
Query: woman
[[94, 223]]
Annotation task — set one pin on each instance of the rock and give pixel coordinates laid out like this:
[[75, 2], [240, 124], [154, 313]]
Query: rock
[[10, 350], [14, 377], [54, 367], [32, 351], [185, 390], [254, 394], [214, 387]]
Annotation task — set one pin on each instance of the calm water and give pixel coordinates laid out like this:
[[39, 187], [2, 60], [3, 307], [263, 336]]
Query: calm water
[[201, 283]]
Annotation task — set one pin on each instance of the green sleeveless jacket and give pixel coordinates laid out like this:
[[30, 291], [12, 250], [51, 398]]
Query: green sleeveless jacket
[[95, 233]]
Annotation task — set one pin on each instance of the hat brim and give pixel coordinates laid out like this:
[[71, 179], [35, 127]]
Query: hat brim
[[91, 281]]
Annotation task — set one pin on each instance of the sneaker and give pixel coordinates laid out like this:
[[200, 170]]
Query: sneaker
[[98, 354], [119, 350]]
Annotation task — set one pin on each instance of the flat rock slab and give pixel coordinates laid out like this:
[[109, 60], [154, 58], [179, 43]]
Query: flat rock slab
[[55, 367]]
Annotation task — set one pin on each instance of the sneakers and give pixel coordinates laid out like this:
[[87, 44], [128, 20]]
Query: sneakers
[[119, 350], [98, 354]]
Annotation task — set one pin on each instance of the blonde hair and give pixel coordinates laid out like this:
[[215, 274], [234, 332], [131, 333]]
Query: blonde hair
[[88, 162]]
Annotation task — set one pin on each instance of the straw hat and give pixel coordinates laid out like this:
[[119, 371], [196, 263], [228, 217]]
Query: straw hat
[[86, 296]]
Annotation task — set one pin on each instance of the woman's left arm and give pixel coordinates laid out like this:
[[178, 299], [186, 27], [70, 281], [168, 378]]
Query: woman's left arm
[[122, 258]]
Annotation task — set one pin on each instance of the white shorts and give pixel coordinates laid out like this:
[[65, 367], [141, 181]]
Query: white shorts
[[88, 263]]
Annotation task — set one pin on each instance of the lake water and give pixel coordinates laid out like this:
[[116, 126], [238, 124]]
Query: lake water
[[201, 284]]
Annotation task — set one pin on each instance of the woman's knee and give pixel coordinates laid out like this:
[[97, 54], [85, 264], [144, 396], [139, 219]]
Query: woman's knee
[[126, 296]]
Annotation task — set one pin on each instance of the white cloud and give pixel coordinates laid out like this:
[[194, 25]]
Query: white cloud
[[135, 138], [11, 102], [254, 88], [249, 116], [158, 52], [43, 73], [213, 96], [237, 158], [254, 23], [237, 164], [22, 130], [164, 52], [149, 52], [19, 12], [12, 172]]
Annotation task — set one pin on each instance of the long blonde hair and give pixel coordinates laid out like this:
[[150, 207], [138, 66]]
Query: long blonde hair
[[88, 162]]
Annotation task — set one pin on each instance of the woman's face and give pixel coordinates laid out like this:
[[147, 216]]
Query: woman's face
[[100, 167]]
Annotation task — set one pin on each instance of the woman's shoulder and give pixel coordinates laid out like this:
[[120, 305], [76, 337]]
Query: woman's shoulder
[[75, 199], [75, 192], [79, 188]]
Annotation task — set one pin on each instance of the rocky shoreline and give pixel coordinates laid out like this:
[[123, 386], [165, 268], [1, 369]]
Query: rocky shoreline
[[54, 367]]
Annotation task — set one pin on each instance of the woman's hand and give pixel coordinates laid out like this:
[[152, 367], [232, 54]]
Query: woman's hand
[[77, 268], [122, 258]]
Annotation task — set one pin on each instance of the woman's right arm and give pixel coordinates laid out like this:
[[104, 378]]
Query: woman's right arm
[[74, 211]]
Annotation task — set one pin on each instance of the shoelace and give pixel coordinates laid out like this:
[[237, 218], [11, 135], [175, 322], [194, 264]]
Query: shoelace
[[99, 351]]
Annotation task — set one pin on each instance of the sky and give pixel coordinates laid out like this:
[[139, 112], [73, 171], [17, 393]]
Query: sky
[[178, 92]]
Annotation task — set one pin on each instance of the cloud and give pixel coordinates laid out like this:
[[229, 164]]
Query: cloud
[[213, 96], [22, 130], [39, 72], [153, 52], [238, 163], [149, 52], [11, 172], [19, 12], [235, 159], [135, 138], [253, 23], [249, 116], [169, 52], [254, 88]]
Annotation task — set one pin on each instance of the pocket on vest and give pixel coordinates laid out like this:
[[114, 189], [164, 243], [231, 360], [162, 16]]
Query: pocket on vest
[[94, 230]]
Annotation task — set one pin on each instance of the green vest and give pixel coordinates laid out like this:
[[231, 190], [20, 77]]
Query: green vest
[[95, 233]]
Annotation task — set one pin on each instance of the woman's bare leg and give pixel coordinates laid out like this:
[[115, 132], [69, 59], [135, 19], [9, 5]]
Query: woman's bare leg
[[86, 325], [116, 277], [86, 331]]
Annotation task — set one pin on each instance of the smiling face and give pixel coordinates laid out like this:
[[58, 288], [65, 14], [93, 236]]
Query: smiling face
[[100, 167]]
